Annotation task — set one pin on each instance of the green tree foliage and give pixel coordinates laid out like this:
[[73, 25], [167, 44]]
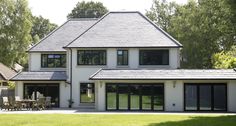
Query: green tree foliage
[[225, 59], [204, 28], [88, 10], [41, 27], [15, 26]]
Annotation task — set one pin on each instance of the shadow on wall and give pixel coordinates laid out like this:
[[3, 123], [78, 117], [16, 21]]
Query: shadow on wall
[[201, 121]]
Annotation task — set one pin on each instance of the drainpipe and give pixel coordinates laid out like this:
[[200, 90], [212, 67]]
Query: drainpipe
[[70, 74]]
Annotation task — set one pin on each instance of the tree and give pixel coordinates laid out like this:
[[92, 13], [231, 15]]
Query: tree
[[15, 26], [204, 28], [41, 27], [88, 10], [225, 59]]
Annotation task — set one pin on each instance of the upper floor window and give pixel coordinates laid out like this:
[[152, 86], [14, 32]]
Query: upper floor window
[[91, 57], [53, 60], [154, 57], [122, 57]]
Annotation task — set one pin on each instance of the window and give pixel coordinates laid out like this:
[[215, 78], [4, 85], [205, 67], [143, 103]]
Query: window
[[121, 96], [87, 92], [53, 60], [91, 57], [205, 97], [122, 57], [154, 57]]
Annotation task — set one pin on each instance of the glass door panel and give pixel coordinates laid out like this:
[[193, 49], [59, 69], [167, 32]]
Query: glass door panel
[[123, 95], [190, 97], [111, 90], [134, 97], [146, 97], [158, 97], [220, 97], [205, 97]]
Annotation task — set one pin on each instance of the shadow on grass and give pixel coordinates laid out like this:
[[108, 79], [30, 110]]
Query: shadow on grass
[[201, 121]]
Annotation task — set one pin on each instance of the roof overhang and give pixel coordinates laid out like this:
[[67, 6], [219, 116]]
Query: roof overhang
[[165, 74], [40, 76]]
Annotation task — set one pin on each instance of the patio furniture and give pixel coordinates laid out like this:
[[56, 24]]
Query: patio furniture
[[5, 103], [14, 105], [39, 104], [48, 102]]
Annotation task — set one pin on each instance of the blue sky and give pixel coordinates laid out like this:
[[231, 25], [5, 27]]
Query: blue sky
[[57, 10]]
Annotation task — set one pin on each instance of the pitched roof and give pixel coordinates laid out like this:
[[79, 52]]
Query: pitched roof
[[63, 35], [6, 72], [124, 29], [165, 74], [43, 76]]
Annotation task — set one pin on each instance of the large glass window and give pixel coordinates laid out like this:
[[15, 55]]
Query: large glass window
[[154, 57], [91, 57], [134, 96], [36, 91], [122, 57], [205, 97], [53, 60], [87, 92]]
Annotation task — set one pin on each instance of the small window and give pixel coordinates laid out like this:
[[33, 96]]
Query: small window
[[87, 93], [53, 60], [91, 57], [154, 57], [122, 57]]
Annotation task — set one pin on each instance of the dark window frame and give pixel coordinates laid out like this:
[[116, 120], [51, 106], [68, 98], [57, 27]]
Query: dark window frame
[[212, 96], [123, 57], [86, 51], [140, 96], [54, 64], [93, 92], [161, 50]]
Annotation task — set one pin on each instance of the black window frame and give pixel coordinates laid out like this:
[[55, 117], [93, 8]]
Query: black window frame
[[93, 92], [140, 96], [212, 96], [87, 51], [123, 57], [54, 64], [141, 51]]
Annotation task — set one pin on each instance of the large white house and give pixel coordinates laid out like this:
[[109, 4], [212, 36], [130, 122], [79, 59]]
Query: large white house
[[121, 61]]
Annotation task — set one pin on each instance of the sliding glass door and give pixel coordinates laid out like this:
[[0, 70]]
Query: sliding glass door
[[205, 97], [135, 97]]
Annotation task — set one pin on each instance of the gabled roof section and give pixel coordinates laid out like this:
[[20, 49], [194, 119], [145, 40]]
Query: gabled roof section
[[63, 35], [124, 29], [164, 74], [5, 72]]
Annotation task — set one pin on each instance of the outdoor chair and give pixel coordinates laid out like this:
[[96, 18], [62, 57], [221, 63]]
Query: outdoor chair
[[39, 104], [48, 102], [18, 102], [5, 103], [14, 105]]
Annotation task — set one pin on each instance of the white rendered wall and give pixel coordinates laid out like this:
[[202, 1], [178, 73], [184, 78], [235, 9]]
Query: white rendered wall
[[232, 96], [174, 95]]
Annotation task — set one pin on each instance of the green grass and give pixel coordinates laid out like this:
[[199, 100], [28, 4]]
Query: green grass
[[113, 120]]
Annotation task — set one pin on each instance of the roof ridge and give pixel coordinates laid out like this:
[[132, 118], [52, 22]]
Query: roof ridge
[[87, 29], [82, 19]]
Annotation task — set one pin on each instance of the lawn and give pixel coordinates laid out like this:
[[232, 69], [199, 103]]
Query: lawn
[[113, 120]]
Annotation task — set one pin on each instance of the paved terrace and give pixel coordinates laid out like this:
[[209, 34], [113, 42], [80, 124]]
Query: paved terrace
[[92, 111]]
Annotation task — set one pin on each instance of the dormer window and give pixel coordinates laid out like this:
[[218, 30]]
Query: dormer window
[[53, 60], [154, 57]]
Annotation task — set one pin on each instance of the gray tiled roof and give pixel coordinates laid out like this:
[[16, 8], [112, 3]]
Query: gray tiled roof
[[165, 74], [124, 29], [63, 35], [5, 72], [51, 76]]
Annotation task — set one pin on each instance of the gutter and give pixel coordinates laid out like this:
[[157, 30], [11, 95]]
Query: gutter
[[70, 74]]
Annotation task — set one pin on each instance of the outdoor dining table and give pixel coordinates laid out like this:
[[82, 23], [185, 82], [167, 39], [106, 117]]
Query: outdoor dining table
[[28, 102]]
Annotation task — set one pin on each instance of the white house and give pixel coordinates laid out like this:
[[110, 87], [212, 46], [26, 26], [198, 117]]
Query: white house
[[122, 61]]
